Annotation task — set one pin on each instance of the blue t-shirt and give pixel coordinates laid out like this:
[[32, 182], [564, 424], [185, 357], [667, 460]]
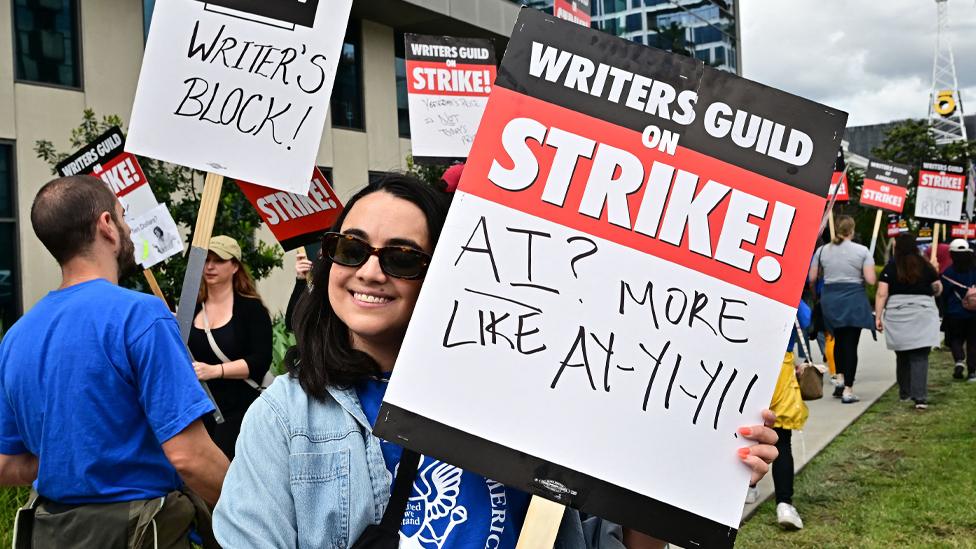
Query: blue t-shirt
[[450, 508], [954, 293], [93, 380]]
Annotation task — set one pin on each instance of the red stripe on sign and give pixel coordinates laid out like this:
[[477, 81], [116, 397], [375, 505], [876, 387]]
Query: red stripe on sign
[[941, 180], [432, 78], [290, 215], [122, 174], [883, 195], [843, 195], [688, 208]]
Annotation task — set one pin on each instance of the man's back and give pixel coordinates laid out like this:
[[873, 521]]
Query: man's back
[[93, 380]]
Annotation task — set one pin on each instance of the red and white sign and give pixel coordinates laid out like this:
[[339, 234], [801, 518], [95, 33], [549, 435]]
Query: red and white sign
[[448, 82], [576, 11], [296, 220], [622, 270], [964, 230], [885, 185], [838, 186], [940, 193]]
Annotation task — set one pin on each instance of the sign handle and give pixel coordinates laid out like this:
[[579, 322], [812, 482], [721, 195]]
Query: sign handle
[[936, 233], [195, 263], [541, 524], [830, 219], [156, 290], [874, 234]]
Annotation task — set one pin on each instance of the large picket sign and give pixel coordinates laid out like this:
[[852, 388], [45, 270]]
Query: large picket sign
[[448, 82], [885, 185], [940, 192], [296, 219], [616, 282], [239, 88]]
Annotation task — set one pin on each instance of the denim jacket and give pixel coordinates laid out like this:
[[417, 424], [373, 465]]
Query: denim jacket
[[310, 474]]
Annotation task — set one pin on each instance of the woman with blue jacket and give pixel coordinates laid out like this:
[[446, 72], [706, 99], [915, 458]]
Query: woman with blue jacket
[[309, 472]]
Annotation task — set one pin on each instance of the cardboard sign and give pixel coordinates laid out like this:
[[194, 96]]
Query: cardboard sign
[[296, 220], [838, 185], [448, 82], [104, 148], [964, 230], [156, 237], [885, 185], [239, 88], [616, 282], [896, 225], [576, 11], [940, 193]]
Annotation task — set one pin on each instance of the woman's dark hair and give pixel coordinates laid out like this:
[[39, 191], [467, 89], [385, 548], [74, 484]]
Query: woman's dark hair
[[323, 354], [963, 262], [910, 266]]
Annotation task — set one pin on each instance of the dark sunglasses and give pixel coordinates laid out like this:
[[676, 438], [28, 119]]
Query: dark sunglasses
[[395, 261]]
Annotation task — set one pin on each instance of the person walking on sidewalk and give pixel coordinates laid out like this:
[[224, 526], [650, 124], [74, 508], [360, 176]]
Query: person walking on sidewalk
[[905, 311], [960, 321], [846, 267]]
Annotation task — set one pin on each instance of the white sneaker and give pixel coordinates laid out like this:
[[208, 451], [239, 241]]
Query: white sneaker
[[787, 517], [752, 495]]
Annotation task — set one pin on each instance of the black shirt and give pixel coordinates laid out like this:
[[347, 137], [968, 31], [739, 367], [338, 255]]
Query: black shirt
[[923, 287]]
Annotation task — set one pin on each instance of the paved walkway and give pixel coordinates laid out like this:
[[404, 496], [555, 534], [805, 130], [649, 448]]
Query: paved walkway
[[828, 417]]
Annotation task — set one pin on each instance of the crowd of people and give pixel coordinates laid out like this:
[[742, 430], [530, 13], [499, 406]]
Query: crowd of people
[[103, 413]]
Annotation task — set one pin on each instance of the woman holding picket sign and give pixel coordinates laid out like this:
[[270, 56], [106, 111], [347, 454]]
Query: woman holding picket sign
[[231, 339], [960, 316], [905, 310], [309, 472], [845, 267]]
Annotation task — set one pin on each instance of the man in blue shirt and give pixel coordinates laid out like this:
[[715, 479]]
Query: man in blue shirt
[[99, 404]]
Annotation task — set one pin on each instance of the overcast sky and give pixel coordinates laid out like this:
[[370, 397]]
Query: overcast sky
[[871, 58]]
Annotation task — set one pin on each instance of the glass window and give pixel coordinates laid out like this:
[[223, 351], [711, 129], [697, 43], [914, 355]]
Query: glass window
[[147, 11], [46, 42], [656, 2], [9, 287], [720, 55], [635, 22], [704, 55], [347, 94], [400, 68], [706, 34]]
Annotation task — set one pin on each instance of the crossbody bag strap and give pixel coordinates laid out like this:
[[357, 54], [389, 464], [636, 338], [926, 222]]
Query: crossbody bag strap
[[402, 488], [216, 349], [802, 340], [951, 281]]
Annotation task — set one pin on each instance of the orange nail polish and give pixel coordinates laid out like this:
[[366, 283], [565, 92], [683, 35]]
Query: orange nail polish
[[743, 453], [745, 431]]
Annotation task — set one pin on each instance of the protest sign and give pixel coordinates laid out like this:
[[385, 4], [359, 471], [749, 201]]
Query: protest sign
[[886, 185], [619, 273], [239, 88], [940, 192], [838, 186], [448, 82], [294, 219], [156, 237], [896, 225], [576, 11], [966, 229]]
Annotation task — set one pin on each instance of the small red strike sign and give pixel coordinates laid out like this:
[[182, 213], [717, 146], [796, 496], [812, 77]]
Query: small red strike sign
[[883, 195], [122, 174], [295, 220]]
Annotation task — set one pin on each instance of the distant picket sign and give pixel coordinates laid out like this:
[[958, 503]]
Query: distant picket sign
[[239, 88], [575, 11], [296, 220], [838, 186], [106, 159], [885, 185], [619, 273], [940, 192], [448, 82]]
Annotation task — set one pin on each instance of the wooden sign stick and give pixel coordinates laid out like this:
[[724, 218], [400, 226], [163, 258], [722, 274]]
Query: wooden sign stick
[[936, 233], [830, 220], [874, 234], [156, 290], [541, 524], [194, 265]]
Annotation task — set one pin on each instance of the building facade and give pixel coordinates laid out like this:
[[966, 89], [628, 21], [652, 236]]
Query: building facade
[[59, 57], [705, 29]]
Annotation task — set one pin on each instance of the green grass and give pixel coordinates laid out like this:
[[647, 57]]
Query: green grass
[[896, 478], [10, 500]]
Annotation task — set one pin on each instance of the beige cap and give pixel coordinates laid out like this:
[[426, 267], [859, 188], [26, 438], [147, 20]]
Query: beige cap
[[225, 247]]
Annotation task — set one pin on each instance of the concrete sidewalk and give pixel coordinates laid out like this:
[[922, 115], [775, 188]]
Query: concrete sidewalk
[[828, 417]]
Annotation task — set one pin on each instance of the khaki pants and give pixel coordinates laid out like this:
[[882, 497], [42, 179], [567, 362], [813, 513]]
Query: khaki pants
[[160, 523]]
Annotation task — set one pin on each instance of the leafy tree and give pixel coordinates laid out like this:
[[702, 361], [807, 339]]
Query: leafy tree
[[179, 188]]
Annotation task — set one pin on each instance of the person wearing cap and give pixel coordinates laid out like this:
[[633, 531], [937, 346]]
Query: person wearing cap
[[231, 339], [960, 321]]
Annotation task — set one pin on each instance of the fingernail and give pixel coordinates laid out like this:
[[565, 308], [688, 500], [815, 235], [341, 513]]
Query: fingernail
[[745, 431], [743, 453]]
